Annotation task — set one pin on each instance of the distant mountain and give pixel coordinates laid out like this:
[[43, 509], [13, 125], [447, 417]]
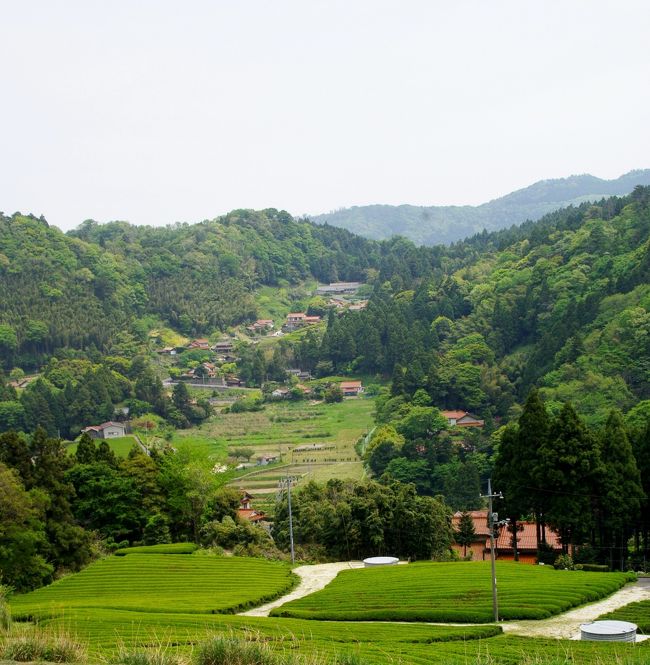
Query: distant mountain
[[433, 225]]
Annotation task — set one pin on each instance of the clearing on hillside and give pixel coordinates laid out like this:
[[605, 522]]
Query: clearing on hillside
[[451, 592], [120, 445]]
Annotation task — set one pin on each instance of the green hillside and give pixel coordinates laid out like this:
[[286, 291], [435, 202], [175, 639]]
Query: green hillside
[[433, 225]]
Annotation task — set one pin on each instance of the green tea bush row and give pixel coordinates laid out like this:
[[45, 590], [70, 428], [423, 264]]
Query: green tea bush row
[[165, 583], [171, 548], [638, 613]]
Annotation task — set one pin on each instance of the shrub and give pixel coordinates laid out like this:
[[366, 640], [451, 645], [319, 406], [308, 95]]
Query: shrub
[[59, 648], [595, 568], [233, 651], [155, 656], [5, 610], [563, 562]]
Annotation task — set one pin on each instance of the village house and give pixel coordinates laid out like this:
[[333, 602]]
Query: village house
[[338, 288], [223, 346], [280, 393], [462, 419], [351, 388], [479, 548], [299, 373], [201, 344], [168, 351], [264, 460], [246, 510], [108, 430], [261, 325]]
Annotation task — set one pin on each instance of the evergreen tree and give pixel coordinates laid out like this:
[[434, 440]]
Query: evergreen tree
[[466, 532], [620, 491], [569, 464]]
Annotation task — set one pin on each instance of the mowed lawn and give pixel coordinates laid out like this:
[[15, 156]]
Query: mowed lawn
[[452, 592], [120, 445], [163, 583]]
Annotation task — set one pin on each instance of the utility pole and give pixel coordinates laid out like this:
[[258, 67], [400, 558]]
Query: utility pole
[[493, 521], [286, 482]]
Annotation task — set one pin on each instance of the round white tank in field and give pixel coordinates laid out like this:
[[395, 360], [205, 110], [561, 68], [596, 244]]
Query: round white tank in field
[[380, 561], [608, 631]]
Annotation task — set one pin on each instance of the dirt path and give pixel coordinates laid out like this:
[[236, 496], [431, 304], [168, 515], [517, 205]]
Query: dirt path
[[567, 625], [313, 578]]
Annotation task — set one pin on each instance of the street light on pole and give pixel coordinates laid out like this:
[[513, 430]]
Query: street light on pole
[[493, 523]]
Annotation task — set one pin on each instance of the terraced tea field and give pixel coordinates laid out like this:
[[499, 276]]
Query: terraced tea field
[[638, 613], [381, 644], [163, 583], [451, 592], [142, 601]]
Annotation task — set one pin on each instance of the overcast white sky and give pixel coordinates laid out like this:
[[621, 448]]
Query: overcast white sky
[[155, 111]]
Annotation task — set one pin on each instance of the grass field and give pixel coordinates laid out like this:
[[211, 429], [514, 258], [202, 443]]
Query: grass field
[[120, 445], [451, 592], [154, 602], [383, 644], [163, 583], [638, 613]]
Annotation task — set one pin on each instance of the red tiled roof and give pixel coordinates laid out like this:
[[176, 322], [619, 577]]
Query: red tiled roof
[[453, 414], [526, 538], [479, 517], [349, 384]]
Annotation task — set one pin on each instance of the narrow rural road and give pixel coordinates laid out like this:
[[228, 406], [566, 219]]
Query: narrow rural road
[[312, 578], [567, 625], [563, 626]]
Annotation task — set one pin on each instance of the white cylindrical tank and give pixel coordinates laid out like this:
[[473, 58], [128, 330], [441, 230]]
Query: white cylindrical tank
[[608, 631], [380, 561]]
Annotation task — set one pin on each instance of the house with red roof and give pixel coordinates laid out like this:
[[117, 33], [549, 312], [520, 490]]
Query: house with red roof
[[462, 419], [503, 544], [246, 510], [351, 388]]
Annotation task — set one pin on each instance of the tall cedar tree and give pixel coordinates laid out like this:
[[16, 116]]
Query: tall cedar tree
[[642, 455], [620, 492], [525, 481], [568, 470]]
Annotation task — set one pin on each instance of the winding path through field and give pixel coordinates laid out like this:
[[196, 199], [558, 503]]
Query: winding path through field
[[312, 578], [563, 626], [567, 625]]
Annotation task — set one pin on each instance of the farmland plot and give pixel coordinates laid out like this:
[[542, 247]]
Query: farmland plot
[[452, 592]]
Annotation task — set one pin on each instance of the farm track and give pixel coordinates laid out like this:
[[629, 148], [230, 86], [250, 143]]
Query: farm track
[[567, 625], [563, 626], [312, 578]]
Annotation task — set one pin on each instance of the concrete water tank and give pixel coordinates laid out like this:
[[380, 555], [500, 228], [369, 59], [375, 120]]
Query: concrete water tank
[[380, 561], [608, 631]]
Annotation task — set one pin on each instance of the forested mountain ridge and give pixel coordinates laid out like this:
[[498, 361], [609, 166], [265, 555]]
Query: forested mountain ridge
[[432, 225], [563, 304], [80, 289]]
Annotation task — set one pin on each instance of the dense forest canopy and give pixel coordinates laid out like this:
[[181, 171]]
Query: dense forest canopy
[[561, 304]]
